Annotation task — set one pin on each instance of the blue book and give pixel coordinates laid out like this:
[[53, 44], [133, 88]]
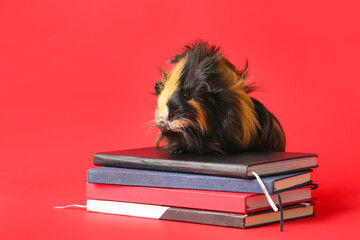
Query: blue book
[[149, 178]]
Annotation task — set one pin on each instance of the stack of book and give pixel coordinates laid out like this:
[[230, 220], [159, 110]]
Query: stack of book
[[209, 189]]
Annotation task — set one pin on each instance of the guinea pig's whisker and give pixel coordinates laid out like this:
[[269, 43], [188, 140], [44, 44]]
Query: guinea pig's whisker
[[199, 145], [197, 131], [149, 123], [194, 124], [196, 136], [151, 127], [187, 138]]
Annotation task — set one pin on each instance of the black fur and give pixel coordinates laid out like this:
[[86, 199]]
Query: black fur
[[269, 138], [201, 80]]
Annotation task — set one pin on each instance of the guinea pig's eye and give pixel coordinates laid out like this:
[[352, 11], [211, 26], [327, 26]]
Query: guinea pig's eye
[[158, 88], [187, 96]]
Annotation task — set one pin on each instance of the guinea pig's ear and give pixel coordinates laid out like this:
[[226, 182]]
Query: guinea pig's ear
[[206, 87], [158, 88]]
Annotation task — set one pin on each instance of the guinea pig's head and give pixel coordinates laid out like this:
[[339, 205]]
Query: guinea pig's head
[[197, 97]]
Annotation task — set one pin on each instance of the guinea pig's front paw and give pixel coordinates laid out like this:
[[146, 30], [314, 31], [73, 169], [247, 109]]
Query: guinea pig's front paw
[[178, 151]]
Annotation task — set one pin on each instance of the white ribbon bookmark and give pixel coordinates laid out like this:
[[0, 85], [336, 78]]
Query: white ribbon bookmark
[[271, 202], [73, 205]]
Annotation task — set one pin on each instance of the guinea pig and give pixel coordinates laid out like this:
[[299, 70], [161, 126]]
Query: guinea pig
[[204, 106]]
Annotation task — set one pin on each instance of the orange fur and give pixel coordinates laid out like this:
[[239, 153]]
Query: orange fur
[[247, 115], [201, 116], [170, 86]]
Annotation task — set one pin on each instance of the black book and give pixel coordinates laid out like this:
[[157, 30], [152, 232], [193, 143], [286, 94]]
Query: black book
[[239, 165]]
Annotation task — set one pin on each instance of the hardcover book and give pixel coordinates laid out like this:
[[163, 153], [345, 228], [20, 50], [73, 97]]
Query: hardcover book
[[226, 219], [238, 165], [147, 178], [198, 199]]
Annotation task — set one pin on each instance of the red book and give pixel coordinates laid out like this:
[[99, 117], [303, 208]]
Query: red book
[[197, 199]]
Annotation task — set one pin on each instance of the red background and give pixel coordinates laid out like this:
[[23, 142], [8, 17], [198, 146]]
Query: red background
[[76, 77]]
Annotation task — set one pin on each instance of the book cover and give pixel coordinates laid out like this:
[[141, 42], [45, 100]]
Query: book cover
[[137, 177], [231, 165], [226, 219], [198, 199]]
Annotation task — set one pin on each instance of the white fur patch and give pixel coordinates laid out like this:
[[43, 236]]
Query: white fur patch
[[166, 114]]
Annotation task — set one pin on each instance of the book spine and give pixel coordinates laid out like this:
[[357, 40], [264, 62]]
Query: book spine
[[134, 177], [207, 200], [167, 213]]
